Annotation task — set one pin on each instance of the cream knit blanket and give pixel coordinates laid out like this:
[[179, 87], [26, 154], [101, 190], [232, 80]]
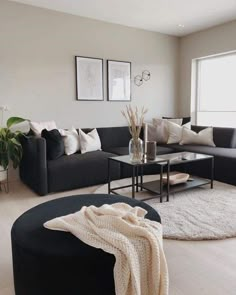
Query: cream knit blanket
[[136, 243]]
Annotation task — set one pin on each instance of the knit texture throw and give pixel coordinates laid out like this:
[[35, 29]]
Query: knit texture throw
[[135, 241]]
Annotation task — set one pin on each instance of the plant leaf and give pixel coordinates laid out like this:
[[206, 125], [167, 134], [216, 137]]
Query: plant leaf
[[15, 142], [15, 152], [14, 120], [10, 146], [4, 160]]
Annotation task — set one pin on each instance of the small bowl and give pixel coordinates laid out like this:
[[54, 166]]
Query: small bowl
[[176, 178]]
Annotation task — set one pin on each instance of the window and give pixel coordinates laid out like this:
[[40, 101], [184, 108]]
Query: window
[[216, 90]]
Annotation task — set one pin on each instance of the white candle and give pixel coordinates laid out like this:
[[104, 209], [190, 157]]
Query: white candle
[[145, 137]]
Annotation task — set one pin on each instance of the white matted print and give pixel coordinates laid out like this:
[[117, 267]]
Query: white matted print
[[119, 80], [89, 78]]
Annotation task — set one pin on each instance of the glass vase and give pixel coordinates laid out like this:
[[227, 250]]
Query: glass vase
[[136, 150]]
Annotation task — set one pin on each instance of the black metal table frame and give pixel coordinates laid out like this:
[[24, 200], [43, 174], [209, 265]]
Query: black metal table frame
[[186, 162], [137, 170], [212, 168]]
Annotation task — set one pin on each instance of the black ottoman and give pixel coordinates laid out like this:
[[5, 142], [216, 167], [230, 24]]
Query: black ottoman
[[47, 262]]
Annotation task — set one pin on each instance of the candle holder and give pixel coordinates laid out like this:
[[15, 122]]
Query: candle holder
[[151, 150]]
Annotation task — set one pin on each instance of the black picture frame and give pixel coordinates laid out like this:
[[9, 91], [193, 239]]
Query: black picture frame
[[87, 92], [126, 65]]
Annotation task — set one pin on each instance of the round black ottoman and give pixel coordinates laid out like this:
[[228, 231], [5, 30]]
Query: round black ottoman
[[47, 262]]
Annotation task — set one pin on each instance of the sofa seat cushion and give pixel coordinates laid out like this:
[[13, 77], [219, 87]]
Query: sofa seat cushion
[[80, 170], [120, 151], [214, 151]]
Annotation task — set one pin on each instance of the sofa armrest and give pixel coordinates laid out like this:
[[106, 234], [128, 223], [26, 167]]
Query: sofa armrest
[[33, 166]]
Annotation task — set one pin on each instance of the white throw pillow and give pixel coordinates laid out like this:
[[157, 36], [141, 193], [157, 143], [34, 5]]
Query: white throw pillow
[[89, 142], [158, 131], [177, 121], [175, 132], [37, 127], [71, 141], [204, 137]]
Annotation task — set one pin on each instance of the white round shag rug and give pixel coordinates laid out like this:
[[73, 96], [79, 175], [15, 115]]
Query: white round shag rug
[[196, 214]]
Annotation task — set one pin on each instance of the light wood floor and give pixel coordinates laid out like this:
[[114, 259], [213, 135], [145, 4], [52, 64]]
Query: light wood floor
[[195, 268]]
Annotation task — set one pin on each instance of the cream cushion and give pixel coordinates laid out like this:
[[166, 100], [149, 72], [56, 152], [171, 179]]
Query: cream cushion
[[71, 141], [175, 132], [204, 137], [89, 142], [37, 127], [158, 130], [178, 121]]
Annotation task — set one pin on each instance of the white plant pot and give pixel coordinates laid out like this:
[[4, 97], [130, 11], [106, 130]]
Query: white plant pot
[[3, 174]]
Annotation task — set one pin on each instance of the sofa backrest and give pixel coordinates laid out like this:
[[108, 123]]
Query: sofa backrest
[[114, 136], [223, 136]]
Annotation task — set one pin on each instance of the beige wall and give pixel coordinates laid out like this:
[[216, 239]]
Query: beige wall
[[37, 71], [212, 41]]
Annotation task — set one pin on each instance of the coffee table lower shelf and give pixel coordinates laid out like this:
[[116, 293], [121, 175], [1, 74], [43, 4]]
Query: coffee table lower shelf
[[154, 186]]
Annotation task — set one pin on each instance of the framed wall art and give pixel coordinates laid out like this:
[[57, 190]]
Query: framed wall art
[[89, 78], [119, 80]]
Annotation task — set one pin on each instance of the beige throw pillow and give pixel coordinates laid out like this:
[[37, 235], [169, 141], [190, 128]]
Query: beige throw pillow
[[89, 142], [37, 127], [71, 141], [204, 137], [178, 121], [175, 132], [158, 131]]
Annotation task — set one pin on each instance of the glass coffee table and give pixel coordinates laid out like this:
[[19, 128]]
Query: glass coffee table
[[137, 171], [158, 187], [194, 181]]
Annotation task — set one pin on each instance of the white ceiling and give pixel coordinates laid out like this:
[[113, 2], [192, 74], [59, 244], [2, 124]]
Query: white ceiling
[[163, 16]]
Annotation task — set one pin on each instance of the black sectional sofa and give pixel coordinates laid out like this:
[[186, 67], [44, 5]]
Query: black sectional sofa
[[224, 154], [80, 170]]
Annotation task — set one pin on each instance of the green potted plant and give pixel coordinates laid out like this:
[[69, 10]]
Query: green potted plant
[[10, 146]]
